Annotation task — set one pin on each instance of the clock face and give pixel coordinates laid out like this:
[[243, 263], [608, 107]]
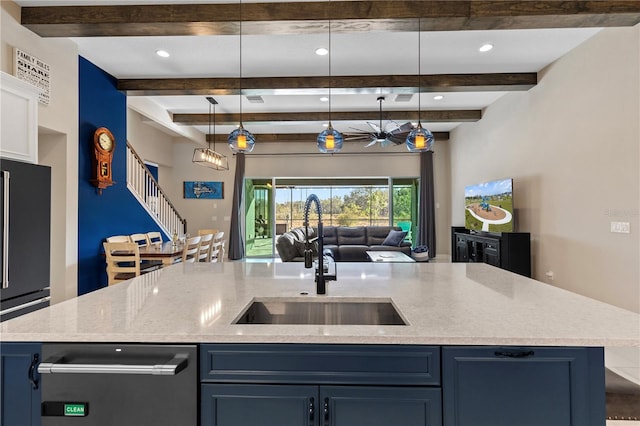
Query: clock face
[[105, 142]]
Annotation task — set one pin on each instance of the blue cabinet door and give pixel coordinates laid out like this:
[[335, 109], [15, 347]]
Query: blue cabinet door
[[380, 406], [494, 386], [259, 405], [20, 392]]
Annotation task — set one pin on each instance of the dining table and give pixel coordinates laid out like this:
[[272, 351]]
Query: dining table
[[167, 252]]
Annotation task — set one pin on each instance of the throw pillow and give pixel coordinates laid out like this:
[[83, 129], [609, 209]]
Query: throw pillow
[[395, 238]]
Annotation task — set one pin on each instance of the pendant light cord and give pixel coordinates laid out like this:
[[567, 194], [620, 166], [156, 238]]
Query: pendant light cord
[[240, 63], [419, 73], [330, 52]]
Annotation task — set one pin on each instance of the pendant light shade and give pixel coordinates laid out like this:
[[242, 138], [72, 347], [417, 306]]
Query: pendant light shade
[[206, 156], [241, 140], [419, 139], [330, 140]]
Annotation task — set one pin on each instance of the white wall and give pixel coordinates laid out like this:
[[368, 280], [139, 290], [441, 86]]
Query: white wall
[[59, 118], [572, 146]]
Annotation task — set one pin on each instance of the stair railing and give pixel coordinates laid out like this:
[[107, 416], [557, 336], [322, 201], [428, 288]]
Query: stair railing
[[146, 189]]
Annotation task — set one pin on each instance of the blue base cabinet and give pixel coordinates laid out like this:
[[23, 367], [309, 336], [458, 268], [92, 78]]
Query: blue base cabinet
[[496, 386], [258, 405], [297, 405], [20, 392], [380, 406], [320, 385]]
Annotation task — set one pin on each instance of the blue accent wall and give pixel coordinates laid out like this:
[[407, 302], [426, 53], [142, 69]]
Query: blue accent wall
[[116, 211]]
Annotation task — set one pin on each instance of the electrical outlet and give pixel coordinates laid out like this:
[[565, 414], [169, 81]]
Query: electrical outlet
[[621, 227], [214, 218], [549, 275]]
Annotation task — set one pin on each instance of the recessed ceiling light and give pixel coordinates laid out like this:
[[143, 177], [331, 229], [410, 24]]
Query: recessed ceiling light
[[321, 51], [324, 99], [162, 53], [486, 47], [438, 97]]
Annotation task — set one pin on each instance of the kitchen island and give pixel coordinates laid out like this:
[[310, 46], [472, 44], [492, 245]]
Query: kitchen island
[[470, 328]]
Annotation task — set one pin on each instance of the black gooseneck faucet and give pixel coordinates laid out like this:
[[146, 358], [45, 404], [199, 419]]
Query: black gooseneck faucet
[[321, 277]]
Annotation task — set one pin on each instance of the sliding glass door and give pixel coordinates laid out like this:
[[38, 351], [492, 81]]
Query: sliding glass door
[[258, 218], [276, 206]]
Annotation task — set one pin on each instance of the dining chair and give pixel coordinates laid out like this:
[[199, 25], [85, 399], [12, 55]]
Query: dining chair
[[140, 239], [204, 251], [218, 247], [119, 239], [206, 231], [191, 249], [154, 237], [123, 261]]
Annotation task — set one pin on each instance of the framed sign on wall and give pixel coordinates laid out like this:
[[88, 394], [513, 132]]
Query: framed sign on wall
[[204, 190]]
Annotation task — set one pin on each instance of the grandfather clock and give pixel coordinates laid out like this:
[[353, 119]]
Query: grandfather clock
[[103, 145]]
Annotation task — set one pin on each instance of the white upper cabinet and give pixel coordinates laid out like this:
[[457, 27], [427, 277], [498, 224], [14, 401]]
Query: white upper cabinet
[[19, 121]]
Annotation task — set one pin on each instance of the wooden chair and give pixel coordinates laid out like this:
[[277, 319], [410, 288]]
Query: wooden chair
[[191, 249], [119, 239], [123, 261], [207, 231], [218, 248], [204, 252], [140, 239], [154, 237]]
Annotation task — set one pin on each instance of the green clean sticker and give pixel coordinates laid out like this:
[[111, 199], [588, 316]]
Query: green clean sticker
[[74, 409]]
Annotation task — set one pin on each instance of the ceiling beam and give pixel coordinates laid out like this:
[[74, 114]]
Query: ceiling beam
[[312, 17], [296, 137], [317, 85], [429, 116]]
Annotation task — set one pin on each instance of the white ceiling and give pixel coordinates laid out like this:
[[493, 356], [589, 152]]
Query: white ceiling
[[366, 53]]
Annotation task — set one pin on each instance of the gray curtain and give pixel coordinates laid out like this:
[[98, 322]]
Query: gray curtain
[[426, 206], [236, 242]]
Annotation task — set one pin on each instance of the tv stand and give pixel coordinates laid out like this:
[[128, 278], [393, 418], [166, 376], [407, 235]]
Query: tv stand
[[508, 250]]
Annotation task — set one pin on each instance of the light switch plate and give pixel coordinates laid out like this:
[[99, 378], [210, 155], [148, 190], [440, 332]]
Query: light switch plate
[[621, 227]]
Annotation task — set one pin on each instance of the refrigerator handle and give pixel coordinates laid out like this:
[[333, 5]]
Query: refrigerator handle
[[5, 229]]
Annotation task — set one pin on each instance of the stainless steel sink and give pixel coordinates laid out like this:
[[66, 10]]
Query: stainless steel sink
[[334, 312]]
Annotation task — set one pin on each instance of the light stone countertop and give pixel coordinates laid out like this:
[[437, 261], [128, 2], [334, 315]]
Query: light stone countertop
[[444, 303]]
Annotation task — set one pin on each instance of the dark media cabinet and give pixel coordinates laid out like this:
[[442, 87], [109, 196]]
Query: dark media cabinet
[[507, 250]]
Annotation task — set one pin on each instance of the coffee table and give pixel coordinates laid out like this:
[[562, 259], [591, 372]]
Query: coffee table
[[389, 256]]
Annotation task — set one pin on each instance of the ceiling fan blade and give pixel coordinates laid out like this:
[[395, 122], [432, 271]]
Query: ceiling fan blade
[[373, 142], [357, 138], [398, 138], [375, 127]]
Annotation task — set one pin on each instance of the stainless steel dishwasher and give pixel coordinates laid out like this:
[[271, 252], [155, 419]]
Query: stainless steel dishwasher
[[127, 385]]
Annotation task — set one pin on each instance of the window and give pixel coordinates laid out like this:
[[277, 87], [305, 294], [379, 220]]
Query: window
[[345, 202]]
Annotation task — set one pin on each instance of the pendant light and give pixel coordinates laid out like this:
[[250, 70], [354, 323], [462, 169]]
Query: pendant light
[[241, 140], [206, 156], [419, 139], [330, 140]]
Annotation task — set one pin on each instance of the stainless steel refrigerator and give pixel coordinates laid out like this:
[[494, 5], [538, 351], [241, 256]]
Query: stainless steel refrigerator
[[25, 194]]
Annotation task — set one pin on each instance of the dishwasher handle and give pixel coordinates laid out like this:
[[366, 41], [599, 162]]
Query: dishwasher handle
[[55, 366]]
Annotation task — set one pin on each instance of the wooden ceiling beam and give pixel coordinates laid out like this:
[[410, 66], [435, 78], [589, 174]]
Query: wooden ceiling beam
[[312, 17], [312, 85], [428, 116], [298, 137]]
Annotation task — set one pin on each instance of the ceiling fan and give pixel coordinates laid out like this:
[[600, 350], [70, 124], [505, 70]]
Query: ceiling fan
[[391, 134]]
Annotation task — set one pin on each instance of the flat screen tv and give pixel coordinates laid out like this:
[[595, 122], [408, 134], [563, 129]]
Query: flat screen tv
[[488, 206]]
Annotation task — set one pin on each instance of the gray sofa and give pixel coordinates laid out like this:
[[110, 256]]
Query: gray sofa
[[343, 243]]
